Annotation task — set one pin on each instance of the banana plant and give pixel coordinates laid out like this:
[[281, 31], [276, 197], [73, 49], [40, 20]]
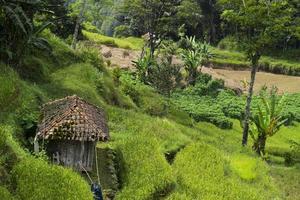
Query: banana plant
[[198, 54], [268, 119], [143, 65], [18, 33]]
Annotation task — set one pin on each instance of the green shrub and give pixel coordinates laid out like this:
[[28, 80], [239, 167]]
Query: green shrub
[[35, 69], [143, 96], [165, 76], [37, 180], [62, 54], [122, 31], [90, 27], [90, 55], [229, 43], [200, 102]]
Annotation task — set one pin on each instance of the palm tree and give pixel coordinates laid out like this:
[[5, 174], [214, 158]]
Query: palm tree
[[268, 120]]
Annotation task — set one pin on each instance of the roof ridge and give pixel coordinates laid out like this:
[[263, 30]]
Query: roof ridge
[[92, 118]]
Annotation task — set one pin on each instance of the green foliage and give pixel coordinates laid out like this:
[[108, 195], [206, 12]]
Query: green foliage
[[88, 82], [246, 167], [35, 179], [143, 64], [229, 43], [122, 31], [260, 24], [9, 154], [196, 54], [20, 35], [268, 120], [278, 63], [143, 96], [165, 76], [90, 27], [202, 101], [288, 179]]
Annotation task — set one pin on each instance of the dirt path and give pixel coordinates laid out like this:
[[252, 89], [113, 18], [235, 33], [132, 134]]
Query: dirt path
[[233, 79]]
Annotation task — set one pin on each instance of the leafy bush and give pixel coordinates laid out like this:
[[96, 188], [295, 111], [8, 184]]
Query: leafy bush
[[122, 31], [165, 76], [37, 180], [90, 27], [201, 103], [143, 96], [229, 43]]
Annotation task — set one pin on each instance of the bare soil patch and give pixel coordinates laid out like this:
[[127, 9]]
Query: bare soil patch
[[233, 78], [285, 83]]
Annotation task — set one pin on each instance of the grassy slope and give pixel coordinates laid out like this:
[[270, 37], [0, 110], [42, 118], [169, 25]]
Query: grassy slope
[[207, 153], [125, 43]]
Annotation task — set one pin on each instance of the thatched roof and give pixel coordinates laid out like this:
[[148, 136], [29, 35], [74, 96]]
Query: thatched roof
[[72, 118]]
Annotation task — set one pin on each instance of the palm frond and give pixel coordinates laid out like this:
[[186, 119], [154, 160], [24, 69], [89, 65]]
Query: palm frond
[[15, 18]]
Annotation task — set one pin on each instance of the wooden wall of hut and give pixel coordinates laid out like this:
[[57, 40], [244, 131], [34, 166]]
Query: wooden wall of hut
[[71, 153]]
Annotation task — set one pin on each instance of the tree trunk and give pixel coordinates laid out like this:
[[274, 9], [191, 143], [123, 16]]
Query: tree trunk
[[259, 145], [254, 61], [78, 22], [152, 45]]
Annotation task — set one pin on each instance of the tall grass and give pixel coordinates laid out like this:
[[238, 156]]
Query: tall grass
[[124, 43], [208, 175], [145, 172], [37, 180]]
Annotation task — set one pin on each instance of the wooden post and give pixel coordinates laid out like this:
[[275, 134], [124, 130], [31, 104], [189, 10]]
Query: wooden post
[[36, 145], [82, 153]]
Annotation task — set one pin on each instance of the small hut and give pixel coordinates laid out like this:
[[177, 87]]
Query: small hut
[[70, 128]]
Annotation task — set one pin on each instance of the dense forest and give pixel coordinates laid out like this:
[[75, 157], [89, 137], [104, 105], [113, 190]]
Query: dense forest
[[172, 99]]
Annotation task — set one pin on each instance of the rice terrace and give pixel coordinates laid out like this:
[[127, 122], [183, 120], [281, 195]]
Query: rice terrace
[[150, 100]]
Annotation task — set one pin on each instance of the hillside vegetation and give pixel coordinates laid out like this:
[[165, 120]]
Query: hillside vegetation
[[147, 132], [225, 56]]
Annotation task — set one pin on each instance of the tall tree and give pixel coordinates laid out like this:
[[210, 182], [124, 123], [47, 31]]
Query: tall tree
[[211, 19], [152, 17], [261, 24], [78, 22]]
